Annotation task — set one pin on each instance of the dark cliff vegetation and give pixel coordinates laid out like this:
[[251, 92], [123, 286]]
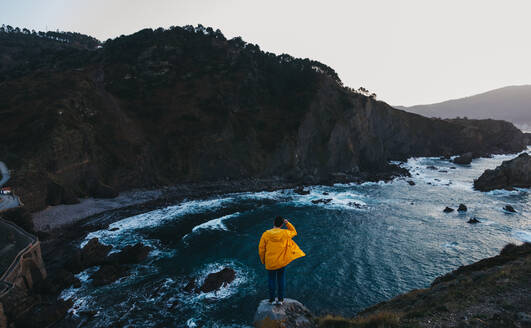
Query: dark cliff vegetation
[[159, 107]]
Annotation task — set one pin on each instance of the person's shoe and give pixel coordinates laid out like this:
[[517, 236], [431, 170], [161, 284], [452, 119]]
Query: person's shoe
[[271, 301], [280, 301]]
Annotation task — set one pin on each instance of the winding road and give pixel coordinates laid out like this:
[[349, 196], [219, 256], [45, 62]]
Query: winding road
[[7, 201]]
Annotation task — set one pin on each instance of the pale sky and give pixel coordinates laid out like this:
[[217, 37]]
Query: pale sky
[[409, 52]]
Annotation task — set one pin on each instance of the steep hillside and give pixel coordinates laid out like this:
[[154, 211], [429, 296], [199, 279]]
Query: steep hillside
[[511, 104], [186, 105]]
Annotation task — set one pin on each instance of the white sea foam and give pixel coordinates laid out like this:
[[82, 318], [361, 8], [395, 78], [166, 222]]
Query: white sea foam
[[522, 235], [156, 218], [337, 199], [190, 323], [273, 195], [242, 276], [215, 224]]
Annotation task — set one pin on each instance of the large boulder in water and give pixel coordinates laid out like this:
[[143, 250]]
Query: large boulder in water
[[513, 173], [216, 280], [93, 253], [290, 314], [131, 254], [448, 209], [464, 159], [301, 191]]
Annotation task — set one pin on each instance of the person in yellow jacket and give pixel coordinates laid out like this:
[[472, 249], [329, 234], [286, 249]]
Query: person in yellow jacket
[[276, 250]]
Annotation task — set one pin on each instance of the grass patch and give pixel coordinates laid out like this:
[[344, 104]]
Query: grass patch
[[382, 319]]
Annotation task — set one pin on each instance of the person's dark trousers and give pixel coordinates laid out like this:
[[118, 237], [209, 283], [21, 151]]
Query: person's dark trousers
[[276, 279]]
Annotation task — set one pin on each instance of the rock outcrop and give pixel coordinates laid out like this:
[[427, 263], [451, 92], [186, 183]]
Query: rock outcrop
[[108, 273], [291, 314], [464, 159], [513, 173], [509, 208], [130, 254], [214, 281], [93, 253]]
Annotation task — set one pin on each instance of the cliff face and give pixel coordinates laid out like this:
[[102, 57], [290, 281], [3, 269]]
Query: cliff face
[[185, 105]]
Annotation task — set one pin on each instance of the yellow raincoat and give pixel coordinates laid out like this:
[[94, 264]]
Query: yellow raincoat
[[276, 249]]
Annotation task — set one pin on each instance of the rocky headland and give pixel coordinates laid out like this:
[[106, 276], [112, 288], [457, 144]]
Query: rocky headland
[[515, 173]]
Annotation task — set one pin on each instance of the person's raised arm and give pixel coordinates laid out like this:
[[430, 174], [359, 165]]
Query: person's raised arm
[[262, 248], [291, 229]]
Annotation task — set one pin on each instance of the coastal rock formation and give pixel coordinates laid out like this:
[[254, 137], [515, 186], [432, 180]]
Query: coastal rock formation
[[509, 208], [448, 209], [93, 253], [301, 191], [322, 201], [216, 280], [462, 208], [108, 273], [291, 314], [464, 159], [130, 254], [186, 105], [473, 221], [513, 173]]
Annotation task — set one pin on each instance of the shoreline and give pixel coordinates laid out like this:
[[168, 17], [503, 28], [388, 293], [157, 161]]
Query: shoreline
[[64, 216]]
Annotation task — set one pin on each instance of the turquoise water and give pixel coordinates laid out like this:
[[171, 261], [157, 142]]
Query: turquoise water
[[371, 242]]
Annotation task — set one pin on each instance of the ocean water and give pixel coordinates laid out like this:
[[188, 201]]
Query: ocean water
[[372, 242]]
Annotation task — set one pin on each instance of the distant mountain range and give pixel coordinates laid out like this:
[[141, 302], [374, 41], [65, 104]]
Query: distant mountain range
[[512, 103]]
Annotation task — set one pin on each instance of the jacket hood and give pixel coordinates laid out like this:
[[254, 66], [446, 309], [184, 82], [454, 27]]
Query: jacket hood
[[276, 234]]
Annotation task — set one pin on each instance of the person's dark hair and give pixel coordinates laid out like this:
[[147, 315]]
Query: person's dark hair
[[279, 221]]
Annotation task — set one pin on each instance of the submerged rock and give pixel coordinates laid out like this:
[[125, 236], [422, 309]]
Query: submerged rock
[[509, 208], [108, 273], [354, 204], [216, 280], [464, 159], [190, 286], [411, 182], [473, 221], [462, 208], [324, 201], [431, 167], [131, 254], [301, 191], [513, 173], [448, 209], [290, 314]]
